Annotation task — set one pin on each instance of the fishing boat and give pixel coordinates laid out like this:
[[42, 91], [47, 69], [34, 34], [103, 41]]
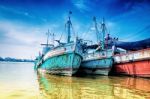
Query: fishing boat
[[133, 63], [135, 60], [98, 61], [63, 59]]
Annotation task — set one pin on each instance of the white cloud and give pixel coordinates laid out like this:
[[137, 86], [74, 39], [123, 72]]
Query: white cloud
[[17, 32], [21, 40], [81, 5], [19, 51]]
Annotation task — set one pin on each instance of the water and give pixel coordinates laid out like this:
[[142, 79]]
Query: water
[[20, 81]]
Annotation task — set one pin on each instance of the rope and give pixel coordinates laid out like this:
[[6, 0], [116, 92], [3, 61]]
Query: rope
[[97, 35], [74, 34], [62, 33], [88, 29]]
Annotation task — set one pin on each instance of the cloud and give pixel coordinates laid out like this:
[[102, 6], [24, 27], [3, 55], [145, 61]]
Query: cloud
[[23, 23], [20, 39], [21, 35], [81, 5], [19, 51], [17, 32]]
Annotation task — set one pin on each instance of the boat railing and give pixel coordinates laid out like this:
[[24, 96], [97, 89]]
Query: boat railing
[[101, 54], [60, 50], [133, 56]]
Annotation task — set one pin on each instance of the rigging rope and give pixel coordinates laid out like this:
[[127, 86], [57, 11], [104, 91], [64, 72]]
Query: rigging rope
[[62, 33], [74, 34], [88, 29]]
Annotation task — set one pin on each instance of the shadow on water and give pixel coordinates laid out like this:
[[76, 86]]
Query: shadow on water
[[93, 87]]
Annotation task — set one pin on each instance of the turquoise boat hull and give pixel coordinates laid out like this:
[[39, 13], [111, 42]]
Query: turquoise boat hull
[[99, 62], [97, 66], [61, 60], [65, 64]]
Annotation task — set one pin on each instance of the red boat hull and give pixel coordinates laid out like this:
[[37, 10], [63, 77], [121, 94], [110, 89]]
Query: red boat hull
[[138, 68], [136, 63]]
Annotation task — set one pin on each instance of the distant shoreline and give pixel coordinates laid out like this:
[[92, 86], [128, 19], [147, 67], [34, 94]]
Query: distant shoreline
[[14, 62], [9, 59], [18, 61]]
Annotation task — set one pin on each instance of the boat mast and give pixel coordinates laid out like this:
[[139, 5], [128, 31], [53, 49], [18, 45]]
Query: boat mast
[[97, 32], [48, 34], [103, 33], [69, 27], [53, 35]]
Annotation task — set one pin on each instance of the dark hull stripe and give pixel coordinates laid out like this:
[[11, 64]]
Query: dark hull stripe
[[64, 69], [97, 68]]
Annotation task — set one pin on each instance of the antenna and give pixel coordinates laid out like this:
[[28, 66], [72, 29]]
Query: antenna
[[103, 32], [49, 34]]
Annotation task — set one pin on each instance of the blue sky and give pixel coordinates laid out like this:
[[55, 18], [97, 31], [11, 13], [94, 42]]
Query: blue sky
[[23, 23]]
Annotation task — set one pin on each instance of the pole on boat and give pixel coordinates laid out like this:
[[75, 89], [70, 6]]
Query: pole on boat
[[103, 33], [97, 32], [53, 35], [48, 34], [69, 27]]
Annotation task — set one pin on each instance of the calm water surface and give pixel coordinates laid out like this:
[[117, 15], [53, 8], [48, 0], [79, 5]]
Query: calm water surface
[[20, 81]]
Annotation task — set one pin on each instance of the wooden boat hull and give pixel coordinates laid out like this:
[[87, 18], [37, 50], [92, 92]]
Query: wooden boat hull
[[138, 68], [135, 63], [63, 60], [97, 66], [65, 64]]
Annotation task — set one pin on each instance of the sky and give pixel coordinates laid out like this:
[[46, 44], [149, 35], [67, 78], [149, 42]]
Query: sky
[[24, 23]]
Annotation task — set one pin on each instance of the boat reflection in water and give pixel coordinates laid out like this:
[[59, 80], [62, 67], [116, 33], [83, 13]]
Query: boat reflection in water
[[60, 87], [133, 88]]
